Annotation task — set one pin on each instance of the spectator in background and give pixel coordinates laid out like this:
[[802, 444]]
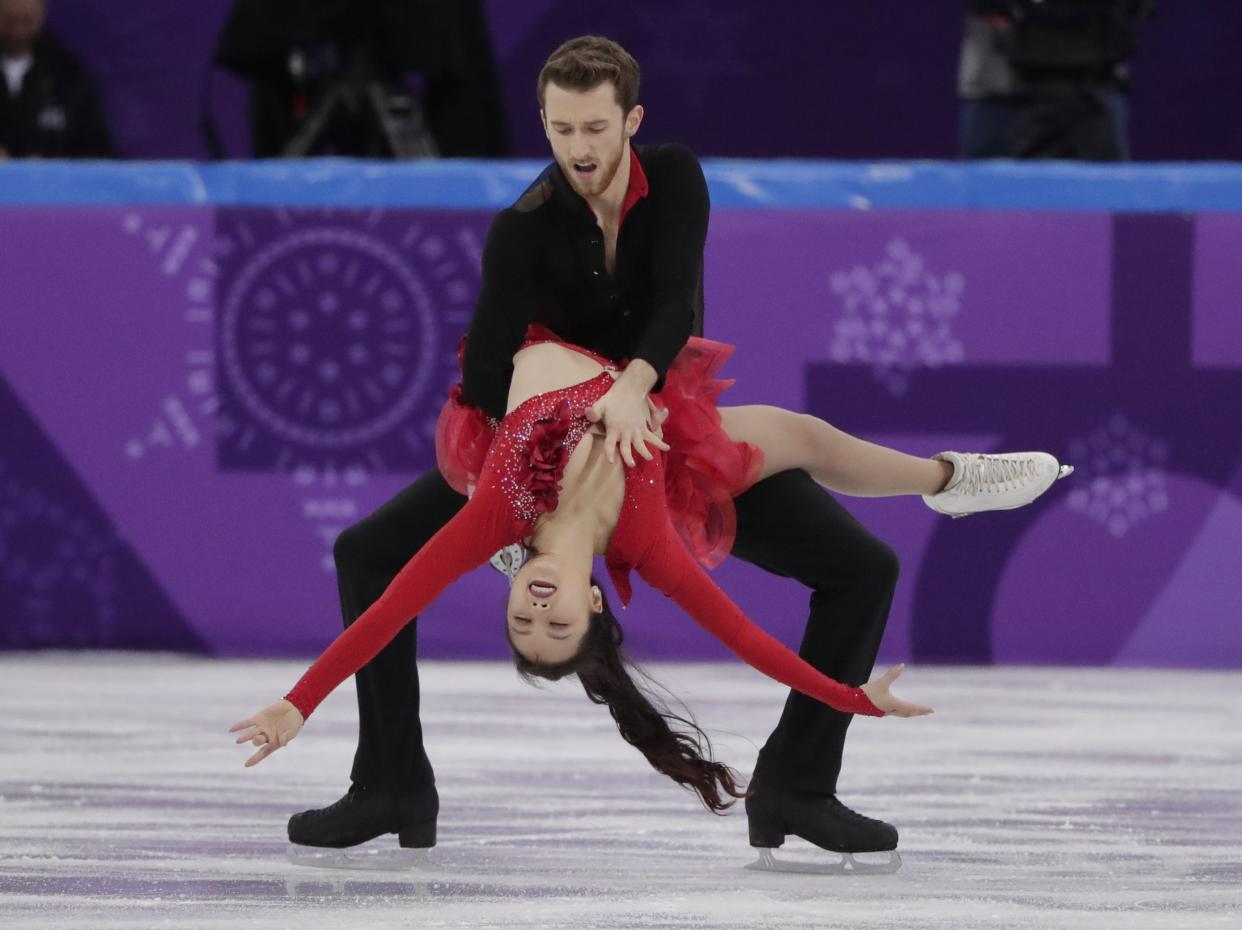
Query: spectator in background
[[49, 107], [1047, 78]]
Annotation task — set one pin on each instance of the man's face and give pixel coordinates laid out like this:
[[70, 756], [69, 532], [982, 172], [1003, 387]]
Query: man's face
[[21, 21], [588, 131]]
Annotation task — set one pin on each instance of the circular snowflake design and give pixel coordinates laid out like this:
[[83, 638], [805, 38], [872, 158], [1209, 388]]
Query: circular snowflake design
[[328, 338]]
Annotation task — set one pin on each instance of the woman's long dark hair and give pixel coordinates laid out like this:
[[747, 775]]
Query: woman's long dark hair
[[601, 666]]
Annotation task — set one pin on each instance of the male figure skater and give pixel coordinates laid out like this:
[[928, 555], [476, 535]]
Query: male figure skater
[[606, 249]]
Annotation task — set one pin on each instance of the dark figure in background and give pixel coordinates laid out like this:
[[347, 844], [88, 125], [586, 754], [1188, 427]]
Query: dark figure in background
[[1047, 78], [368, 78], [49, 107]]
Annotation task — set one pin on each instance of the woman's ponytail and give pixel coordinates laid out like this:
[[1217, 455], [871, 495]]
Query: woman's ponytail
[[603, 669]]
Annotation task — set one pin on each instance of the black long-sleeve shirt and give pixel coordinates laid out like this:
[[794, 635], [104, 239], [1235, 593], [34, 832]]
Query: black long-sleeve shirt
[[543, 262]]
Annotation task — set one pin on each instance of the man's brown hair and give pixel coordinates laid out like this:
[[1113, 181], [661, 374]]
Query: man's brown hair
[[584, 63]]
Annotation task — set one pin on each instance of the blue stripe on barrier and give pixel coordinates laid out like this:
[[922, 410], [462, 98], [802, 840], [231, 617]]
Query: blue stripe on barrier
[[479, 184]]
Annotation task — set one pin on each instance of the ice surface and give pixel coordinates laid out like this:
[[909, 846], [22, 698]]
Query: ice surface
[[1033, 798]]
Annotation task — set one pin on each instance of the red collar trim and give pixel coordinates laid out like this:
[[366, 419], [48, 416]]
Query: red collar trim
[[637, 189]]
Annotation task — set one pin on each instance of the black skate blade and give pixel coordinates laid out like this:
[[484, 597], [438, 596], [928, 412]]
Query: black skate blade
[[376, 858], [848, 865]]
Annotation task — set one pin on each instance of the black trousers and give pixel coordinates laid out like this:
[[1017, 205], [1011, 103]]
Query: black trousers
[[787, 524]]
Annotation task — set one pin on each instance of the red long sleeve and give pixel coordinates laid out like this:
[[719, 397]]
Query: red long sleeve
[[646, 539], [481, 527]]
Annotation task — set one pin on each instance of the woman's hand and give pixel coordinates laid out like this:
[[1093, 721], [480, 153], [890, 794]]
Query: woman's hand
[[888, 702], [628, 417], [271, 728]]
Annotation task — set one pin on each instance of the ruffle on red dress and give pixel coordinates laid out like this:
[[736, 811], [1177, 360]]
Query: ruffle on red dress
[[549, 454], [464, 433], [704, 469]]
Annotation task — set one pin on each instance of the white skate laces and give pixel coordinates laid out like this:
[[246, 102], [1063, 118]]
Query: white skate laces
[[988, 474], [994, 482]]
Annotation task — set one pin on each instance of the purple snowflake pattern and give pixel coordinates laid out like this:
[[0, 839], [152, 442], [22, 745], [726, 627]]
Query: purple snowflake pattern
[[1121, 480]]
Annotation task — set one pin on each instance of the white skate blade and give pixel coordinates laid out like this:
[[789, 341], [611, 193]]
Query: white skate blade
[[848, 865], [366, 860]]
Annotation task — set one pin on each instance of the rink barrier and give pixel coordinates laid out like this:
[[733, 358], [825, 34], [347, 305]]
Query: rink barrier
[[733, 183], [155, 493]]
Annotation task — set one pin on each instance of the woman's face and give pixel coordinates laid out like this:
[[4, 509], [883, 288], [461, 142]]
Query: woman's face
[[549, 609]]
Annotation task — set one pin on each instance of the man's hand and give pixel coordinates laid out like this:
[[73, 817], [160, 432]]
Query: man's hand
[[630, 421]]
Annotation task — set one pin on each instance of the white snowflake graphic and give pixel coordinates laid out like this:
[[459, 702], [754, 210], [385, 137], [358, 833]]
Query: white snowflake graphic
[[897, 316], [1123, 475], [185, 413]]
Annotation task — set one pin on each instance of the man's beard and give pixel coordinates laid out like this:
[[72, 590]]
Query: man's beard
[[597, 182]]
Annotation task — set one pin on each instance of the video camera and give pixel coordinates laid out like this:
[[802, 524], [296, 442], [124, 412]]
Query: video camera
[[340, 65]]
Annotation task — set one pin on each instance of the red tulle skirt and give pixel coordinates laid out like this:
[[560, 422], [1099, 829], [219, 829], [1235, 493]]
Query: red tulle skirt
[[703, 470]]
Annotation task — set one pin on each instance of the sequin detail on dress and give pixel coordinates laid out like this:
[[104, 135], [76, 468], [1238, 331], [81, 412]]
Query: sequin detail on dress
[[464, 433], [534, 443]]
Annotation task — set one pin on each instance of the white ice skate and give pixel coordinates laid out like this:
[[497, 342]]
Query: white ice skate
[[881, 863], [994, 482], [367, 858]]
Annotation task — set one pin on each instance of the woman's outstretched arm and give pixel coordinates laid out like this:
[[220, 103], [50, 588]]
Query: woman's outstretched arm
[[468, 540], [669, 567]]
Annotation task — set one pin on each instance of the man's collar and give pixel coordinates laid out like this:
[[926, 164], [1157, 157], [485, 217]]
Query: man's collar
[[638, 187], [635, 190]]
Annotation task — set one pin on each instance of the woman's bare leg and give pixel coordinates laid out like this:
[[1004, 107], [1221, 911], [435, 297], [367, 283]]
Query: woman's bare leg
[[837, 460]]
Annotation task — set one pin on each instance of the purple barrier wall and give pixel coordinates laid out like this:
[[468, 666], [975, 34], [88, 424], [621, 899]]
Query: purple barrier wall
[[197, 400], [865, 80]]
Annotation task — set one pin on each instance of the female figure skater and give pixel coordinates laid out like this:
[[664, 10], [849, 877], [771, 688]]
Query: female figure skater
[[540, 477]]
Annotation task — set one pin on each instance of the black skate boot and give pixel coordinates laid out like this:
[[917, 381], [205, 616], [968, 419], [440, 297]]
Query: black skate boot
[[363, 814], [820, 819]]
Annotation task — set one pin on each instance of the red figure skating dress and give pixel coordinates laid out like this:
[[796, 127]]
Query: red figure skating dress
[[512, 470]]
